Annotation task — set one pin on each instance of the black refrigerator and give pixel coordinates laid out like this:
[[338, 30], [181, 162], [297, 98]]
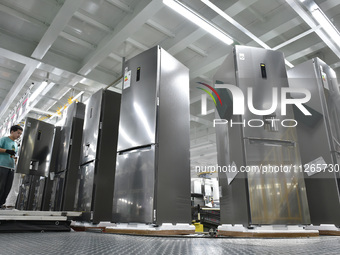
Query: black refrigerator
[[67, 159], [34, 163], [96, 173]]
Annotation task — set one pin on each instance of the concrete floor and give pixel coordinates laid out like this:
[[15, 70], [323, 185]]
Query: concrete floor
[[100, 243]]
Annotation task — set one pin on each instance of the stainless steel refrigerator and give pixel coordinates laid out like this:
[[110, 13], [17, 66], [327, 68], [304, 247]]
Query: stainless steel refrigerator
[[319, 138], [261, 185], [98, 157], [34, 162], [152, 183], [68, 158], [47, 198]]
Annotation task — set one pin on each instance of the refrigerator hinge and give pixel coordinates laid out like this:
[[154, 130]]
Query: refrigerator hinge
[[154, 215], [100, 125]]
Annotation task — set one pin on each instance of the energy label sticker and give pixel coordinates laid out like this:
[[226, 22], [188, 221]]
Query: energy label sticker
[[127, 79]]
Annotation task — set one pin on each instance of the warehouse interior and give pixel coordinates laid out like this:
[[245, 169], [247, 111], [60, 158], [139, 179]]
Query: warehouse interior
[[53, 52]]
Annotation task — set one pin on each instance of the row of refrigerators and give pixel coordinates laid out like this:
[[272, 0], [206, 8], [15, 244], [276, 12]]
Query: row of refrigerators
[[125, 158], [118, 159]]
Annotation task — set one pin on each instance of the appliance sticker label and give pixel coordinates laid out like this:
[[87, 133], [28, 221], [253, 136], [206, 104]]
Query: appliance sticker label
[[316, 166], [324, 80], [127, 79]]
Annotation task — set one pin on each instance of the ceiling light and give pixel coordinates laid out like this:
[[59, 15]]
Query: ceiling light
[[240, 27], [326, 24], [37, 92], [198, 20]]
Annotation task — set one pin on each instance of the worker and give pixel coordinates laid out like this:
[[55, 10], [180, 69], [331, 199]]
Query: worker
[[8, 149]]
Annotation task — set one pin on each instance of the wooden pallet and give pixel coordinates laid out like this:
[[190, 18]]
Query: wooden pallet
[[149, 232], [267, 234]]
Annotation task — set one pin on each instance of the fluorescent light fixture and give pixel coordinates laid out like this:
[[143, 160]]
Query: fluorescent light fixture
[[240, 27], [326, 25], [198, 20], [37, 92], [235, 23]]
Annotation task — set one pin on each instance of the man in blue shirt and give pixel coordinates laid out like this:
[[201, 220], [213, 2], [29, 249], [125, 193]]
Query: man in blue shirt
[[8, 149]]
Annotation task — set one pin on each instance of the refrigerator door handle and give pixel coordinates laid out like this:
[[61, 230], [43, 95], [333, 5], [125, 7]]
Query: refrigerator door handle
[[271, 142], [137, 149]]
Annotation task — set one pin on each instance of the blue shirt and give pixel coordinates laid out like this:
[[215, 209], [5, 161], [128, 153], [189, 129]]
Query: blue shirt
[[5, 159]]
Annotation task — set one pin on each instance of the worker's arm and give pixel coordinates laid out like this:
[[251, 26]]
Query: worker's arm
[[10, 152]]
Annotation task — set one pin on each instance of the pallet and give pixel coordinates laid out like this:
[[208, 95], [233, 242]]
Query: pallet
[[326, 229], [266, 232], [23, 221]]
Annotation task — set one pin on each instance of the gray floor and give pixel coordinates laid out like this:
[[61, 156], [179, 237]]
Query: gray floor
[[99, 243]]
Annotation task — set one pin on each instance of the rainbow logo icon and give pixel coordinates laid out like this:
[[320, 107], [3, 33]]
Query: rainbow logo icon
[[209, 93]]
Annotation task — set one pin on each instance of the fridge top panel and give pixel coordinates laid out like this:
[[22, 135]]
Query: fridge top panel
[[36, 148], [137, 124], [75, 110], [91, 127], [261, 74]]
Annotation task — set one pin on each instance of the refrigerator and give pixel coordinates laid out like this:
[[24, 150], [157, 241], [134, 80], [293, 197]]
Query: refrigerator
[[67, 159], [94, 186], [152, 182], [34, 162], [48, 196], [319, 138], [262, 184]]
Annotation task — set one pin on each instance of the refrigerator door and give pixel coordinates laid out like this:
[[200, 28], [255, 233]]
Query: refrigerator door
[[277, 191], [137, 124], [134, 186], [57, 191], [91, 127], [262, 70], [75, 110], [36, 148], [85, 190]]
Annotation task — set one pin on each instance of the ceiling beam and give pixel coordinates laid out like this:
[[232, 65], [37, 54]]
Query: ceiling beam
[[137, 44], [80, 14], [187, 38], [198, 50], [59, 22], [298, 37], [17, 87], [306, 51], [21, 16], [77, 40], [304, 15], [214, 60], [127, 27], [160, 28], [201, 120], [121, 5]]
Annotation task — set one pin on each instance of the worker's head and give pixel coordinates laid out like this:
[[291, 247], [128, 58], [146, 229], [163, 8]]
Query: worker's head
[[16, 132]]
